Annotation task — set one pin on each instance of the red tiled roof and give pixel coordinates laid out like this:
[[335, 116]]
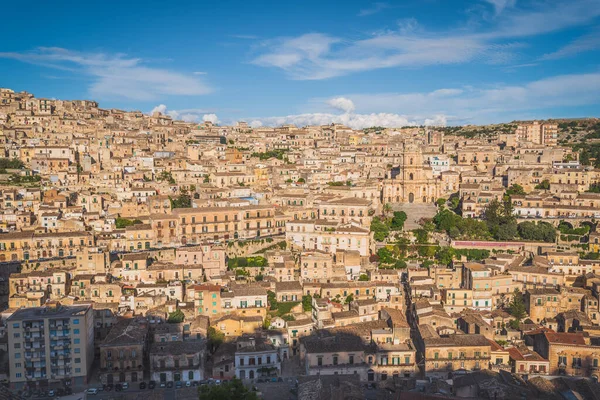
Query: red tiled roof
[[565, 338]]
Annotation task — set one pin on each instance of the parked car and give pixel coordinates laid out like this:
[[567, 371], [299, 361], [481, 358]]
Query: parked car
[[118, 387], [152, 385], [142, 385], [125, 385], [108, 388], [51, 393], [163, 384], [178, 384], [92, 391], [188, 384], [170, 384], [69, 391]]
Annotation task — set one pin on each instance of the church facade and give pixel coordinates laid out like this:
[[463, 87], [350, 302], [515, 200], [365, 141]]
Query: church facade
[[415, 183]]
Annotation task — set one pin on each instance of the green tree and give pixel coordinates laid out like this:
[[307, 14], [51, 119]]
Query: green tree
[[122, 223], [176, 317], [272, 299], [363, 278], [514, 324], [543, 185], [181, 201], [380, 229], [166, 176], [301, 180], [445, 255], [387, 207], [349, 299], [398, 221], [232, 390], [515, 189], [542, 231], [215, 338], [507, 231], [307, 302], [385, 256], [441, 202], [421, 235], [516, 306], [267, 322]]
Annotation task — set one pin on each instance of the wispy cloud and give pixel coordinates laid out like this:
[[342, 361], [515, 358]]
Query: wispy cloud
[[320, 56], [246, 37], [115, 75], [582, 44], [374, 9], [500, 5]]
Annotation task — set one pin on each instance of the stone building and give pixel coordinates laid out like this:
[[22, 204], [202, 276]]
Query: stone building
[[415, 182], [177, 361], [123, 352]]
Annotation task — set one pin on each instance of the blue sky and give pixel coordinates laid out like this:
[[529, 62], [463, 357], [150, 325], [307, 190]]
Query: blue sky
[[361, 63]]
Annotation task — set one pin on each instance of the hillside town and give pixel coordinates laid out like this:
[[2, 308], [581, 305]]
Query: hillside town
[[142, 252]]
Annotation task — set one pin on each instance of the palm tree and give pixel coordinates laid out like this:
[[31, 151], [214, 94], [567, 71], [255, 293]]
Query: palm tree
[[387, 207]]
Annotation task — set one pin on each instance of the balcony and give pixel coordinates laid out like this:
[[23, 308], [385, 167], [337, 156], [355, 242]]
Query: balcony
[[537, 371]]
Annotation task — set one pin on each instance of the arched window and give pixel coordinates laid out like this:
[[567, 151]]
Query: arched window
[[411, 176]]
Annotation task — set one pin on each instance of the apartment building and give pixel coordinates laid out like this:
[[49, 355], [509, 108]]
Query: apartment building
[[53, 343]]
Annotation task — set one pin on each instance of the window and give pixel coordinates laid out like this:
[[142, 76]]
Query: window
[[76, 341], [319, 361], [335, 360], [77, 360], [76, 331], [76, 321]]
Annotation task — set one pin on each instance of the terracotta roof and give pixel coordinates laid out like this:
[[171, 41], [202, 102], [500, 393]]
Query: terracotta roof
[[565, 338]]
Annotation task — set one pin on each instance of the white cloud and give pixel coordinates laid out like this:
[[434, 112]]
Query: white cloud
[[161, 108], [374, 9], [256, 123], [355, 121], [199, 73], [186, 114], [210, 118], [453, 105], [115, 75], [316, 56], [500, 5], [582, 44], [482, 104], [341, 103]]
